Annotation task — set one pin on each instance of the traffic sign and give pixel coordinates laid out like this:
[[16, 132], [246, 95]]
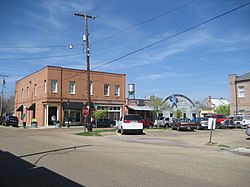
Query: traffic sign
[[85, 111]]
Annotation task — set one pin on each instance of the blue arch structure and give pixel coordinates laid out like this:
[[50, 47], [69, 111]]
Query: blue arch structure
[[177, 95]]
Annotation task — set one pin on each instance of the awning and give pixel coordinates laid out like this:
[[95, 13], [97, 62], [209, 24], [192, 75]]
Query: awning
[[32, 107], [73, 105], [20, 108], [140, 108]]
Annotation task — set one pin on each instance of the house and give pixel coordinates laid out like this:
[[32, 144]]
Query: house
[[239, 94], [63, 92]]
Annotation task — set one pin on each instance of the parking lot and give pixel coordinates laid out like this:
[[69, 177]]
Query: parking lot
[[159, 157]]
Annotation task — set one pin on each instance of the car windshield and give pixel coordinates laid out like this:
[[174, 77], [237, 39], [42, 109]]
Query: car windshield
[[220, 116], [132, 117]]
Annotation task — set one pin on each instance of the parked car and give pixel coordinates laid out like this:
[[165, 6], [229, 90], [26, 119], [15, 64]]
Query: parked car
[[238, 120], [102, 123], [246, 121], [184, 123], [130, 123], [219, 118], [228, 123], [10, 121], [163, 122], [148, 124], [248, 130], [201, 122]]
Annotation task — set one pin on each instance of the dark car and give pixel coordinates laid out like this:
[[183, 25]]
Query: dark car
[[228, 123], [183, 124], [148, 124], [102, 123], [10, 121], [201, 122]]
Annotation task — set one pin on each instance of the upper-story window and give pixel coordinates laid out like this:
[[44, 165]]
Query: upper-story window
[[45, 86], [53, 86], [35, 89], [72, 87], [117, 90], [106, 89], [241, 91]]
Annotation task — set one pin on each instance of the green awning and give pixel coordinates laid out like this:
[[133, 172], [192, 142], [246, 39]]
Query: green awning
[[72, 105]]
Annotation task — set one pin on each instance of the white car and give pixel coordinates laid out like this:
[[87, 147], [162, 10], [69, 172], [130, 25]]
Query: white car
[[248, 130], [130, 123]]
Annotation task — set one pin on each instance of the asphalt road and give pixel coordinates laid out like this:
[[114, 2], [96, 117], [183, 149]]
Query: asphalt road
[[58, 157]]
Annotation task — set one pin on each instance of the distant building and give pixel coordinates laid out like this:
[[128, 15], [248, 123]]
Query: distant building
[[63, 92], [239, 94], [215, 102]]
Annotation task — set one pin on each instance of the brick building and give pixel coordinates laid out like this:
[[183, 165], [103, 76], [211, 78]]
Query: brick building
[[63, 92], [239, 94]]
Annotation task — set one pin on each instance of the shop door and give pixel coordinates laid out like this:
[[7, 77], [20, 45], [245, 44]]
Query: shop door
[[52, 111]]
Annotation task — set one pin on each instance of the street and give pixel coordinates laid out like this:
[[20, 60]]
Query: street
[[59, 157]]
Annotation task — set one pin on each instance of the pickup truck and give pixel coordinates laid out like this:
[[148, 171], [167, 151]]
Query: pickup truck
[[219, 119], [184, 123], [163, 122]]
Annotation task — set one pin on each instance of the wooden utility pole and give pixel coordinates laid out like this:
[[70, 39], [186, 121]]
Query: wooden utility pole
[[85, 16]]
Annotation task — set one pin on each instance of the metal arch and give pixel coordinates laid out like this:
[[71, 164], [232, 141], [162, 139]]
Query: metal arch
[[177, 95]]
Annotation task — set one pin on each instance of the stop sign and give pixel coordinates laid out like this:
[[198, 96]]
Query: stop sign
[[85, 111]]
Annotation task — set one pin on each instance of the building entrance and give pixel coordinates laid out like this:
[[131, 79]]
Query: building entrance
[[52, 111]]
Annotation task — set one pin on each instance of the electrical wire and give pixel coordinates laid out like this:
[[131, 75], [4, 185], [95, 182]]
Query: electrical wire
[[174, 35], [145, 21], [41, 57]]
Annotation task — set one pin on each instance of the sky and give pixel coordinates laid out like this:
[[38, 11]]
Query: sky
[[164, 47]]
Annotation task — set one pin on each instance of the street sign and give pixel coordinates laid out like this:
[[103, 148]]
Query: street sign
[[85, 111]]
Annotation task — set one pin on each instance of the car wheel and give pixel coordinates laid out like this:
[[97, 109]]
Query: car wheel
[[178, 128], [166, 126]]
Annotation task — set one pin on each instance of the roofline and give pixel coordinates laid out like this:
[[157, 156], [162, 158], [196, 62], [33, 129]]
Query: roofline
[[59, 67]]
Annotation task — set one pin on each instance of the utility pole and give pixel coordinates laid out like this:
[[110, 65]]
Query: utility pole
[[85, 16], [3, 83]]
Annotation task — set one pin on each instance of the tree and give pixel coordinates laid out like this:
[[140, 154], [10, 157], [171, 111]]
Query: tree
[[158, 105], [100, 113], [223, 109], [178, 113]]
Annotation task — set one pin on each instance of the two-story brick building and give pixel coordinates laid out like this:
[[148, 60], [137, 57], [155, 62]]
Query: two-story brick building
[[239, 94], [63, 92]]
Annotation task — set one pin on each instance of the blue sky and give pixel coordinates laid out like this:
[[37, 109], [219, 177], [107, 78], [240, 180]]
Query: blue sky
[[196, 63]]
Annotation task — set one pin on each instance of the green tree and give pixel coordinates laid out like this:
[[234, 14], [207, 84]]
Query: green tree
[[178, 113], [223, 109], [100, 114], [158, 105]]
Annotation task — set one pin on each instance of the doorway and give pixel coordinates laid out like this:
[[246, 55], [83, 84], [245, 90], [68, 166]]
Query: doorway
[[52, 111]]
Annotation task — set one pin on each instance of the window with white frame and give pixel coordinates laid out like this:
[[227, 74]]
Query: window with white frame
[[35, 89], [72, 87], [53, 86], [117, 90], [241, 91], [91, 88], [45, 86], [106, 89]]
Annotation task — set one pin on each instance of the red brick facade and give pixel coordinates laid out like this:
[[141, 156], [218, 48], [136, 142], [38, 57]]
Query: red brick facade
[[239, 94], [52, 89]]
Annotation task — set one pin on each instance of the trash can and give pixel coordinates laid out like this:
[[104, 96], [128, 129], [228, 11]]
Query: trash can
[[24, 124], [33, 124]]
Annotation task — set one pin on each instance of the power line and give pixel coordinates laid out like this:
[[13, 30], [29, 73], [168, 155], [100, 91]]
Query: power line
[[37, 46], [145, 21], [41, 57], [172, 36]]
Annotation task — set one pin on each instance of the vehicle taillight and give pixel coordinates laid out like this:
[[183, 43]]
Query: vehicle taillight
[[248, 126], [126, 121], [139, 121]]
